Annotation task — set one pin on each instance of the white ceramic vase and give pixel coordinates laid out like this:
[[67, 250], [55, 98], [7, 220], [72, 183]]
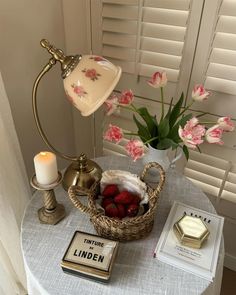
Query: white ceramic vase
[[160, 156]]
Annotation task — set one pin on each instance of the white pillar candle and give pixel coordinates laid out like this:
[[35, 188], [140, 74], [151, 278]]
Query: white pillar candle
[[45, 164]]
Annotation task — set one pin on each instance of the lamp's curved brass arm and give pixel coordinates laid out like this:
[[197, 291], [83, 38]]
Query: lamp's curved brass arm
[[48, 66]]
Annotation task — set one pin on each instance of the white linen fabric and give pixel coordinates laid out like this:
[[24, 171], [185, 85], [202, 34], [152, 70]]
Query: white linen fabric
[[135, 270], [14, 195]]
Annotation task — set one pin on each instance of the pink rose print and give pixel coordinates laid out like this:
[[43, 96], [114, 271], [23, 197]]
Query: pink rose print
[[79, 90], [113, 133], [70, 99], [91, 73], [135, 149]]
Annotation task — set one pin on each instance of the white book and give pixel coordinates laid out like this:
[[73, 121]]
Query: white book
[[201, 262]]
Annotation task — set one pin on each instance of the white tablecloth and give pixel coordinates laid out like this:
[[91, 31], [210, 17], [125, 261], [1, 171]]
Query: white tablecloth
[[135, 270]]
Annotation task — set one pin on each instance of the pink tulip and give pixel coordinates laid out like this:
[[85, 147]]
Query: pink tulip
[[199, 93], [226, 124], [158, 80], [111, 105], [126, 97], [113, 133], [135, 149], [213, 134], [192, 133]]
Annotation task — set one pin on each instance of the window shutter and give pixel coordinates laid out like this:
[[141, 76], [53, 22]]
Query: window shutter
[[221, 70], [144, 36], [217, 178], [215, 58]]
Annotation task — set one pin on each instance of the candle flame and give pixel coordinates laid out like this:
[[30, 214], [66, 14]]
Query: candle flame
[[43, 153]]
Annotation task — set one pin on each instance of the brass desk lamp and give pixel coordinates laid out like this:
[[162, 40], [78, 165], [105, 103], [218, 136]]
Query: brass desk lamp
[[88, 81]]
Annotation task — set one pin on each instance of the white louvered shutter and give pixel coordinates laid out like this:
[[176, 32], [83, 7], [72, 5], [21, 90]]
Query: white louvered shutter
[[215, 59], [144, 36], [217, 178], [215, 67]]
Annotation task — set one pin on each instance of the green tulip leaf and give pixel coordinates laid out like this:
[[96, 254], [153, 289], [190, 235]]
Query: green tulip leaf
[[176, 111]]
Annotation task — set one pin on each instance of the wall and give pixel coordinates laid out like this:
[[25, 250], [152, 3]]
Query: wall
[[22, 25]]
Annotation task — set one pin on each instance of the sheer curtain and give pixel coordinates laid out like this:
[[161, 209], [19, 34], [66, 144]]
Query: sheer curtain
[[14, 195]]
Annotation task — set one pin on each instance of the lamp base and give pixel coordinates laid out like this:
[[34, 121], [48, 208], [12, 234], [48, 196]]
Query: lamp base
[[83, 173]]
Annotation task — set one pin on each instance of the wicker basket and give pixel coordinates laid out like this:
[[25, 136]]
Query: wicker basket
[[126, 229]]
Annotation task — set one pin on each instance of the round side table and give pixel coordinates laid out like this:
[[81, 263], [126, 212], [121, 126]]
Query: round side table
[[135, 270]]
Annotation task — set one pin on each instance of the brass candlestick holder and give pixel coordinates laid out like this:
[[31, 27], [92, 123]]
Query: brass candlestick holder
[[51, 212]]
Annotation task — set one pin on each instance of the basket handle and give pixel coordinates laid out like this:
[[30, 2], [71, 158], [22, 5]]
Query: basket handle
[[150, 165], [73, 191]]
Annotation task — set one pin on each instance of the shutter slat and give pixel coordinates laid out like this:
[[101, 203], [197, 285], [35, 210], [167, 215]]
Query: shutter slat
[[220, 85], [163, 31], [165, 16], [228, 7], [222, 71], [119, 53], [122, 2], [161, 60], [209, 189], [226, 24], [120, 12], [119, 26], [148, 70], [208, 160], [230, 187], [228, 196], [168, 4], [128, 67], [205, 169], [121, 40], [208, 179], [162, 46], [225, 41], [223, 56]]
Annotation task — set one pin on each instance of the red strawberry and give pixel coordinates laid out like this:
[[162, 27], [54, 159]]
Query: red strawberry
[[110, 190], [132, 210], [121, 210], [111, 210], [136, 200], [124, 197], [106, 201]]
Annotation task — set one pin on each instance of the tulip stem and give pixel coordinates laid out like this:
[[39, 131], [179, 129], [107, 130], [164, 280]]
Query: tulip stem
[[162, 103]]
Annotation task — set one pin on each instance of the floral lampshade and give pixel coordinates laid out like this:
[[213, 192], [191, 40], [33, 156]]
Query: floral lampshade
[[91, 82]]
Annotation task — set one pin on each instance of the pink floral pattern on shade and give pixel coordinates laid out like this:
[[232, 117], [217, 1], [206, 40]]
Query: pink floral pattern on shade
[[91, 73], [214, 134], [192, 133], [70, 99], [226, 124], [135, 149], [126, 97], [158, 80], [79, 90], [199, 93], [111, 105], [113, 133], [97, 58]]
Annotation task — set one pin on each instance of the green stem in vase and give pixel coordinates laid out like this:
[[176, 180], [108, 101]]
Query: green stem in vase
[[162, 103]]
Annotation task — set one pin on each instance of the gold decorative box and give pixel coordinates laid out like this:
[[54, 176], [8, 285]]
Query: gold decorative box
[[90, 256], [191, 231]]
